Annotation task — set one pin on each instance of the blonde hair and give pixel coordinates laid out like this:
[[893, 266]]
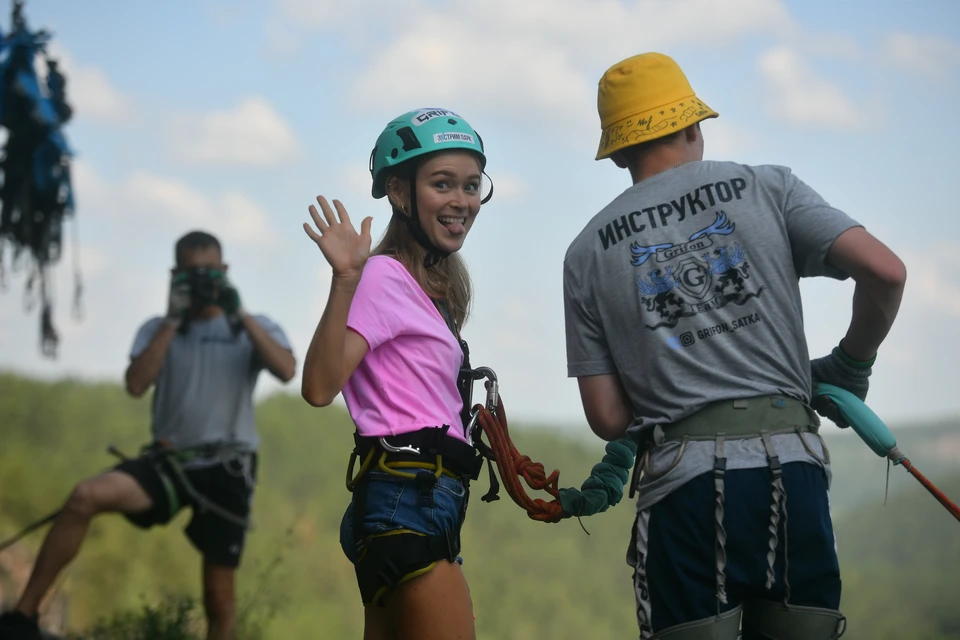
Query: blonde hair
[[448, 280]]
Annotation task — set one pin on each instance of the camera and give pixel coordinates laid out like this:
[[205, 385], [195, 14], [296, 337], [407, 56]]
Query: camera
[[204, 284]]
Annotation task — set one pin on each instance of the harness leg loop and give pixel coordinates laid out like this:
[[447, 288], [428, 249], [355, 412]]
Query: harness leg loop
[[719, 469]]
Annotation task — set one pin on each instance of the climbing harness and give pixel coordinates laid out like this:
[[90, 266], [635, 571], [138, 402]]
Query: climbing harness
[[760, 417], [167, 462], [36, 194], [746, 418], [720, 422], [386, 560], [880, 439]]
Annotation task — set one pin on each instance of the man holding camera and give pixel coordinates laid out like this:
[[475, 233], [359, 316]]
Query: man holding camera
[[204, 357]]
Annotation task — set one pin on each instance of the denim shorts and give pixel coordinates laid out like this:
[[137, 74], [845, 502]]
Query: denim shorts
[[395, 503]]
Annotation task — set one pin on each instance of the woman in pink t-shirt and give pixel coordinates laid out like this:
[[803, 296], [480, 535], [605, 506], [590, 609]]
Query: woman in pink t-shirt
[[389, 341]]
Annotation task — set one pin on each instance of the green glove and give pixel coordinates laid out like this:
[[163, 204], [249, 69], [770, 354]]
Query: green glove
[[842, 371], [228, 298], [179, 298]]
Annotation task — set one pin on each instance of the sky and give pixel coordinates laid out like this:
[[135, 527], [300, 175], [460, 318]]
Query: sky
[[232, 116]]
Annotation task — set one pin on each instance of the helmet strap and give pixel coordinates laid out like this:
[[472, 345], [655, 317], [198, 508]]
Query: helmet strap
[[434, 253]]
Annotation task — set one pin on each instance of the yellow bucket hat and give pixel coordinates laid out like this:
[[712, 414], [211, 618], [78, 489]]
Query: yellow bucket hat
[[644, 98]]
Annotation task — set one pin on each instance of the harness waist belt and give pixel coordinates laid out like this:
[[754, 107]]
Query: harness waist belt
[[200, 452], [459, 457], [745, 417]]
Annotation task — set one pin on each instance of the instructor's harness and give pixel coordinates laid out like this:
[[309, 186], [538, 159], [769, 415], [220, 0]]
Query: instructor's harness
[[741, 419]]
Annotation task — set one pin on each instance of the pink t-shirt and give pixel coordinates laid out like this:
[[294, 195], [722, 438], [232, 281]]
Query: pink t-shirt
[[408, 378]]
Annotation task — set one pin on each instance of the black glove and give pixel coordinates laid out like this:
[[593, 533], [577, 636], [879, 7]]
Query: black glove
[[842, 371]]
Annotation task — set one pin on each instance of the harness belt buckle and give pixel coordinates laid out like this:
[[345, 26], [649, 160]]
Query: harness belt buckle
[[719, 467], [775, 466], [389, 448]]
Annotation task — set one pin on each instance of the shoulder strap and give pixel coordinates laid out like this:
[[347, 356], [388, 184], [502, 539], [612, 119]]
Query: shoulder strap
[[447, 316], [452, 325], [465, 377]]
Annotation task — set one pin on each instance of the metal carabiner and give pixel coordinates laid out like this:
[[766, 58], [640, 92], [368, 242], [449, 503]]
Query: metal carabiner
[[389, 448], [491, 385], [474, 416], [492, 388]]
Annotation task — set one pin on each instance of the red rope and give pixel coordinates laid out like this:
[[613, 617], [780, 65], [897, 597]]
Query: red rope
[[512, 465], [941, 498]]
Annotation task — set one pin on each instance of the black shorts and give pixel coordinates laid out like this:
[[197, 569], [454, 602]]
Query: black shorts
[[674, 552], [225, 484]]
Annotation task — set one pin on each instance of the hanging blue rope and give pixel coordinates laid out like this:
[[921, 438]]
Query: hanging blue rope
[[37, 194]]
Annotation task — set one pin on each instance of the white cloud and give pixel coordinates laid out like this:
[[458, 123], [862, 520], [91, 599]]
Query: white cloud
[[543, 56], [93, 262], [250, 134], [153, 202], [357, 179], [833, 45], [546, 83], [799, 96], [724, 138], [508, 185], [570, 23], [283, 38], [932, 283], [321, 13], [89, 90], [539, 58], [931, 56]]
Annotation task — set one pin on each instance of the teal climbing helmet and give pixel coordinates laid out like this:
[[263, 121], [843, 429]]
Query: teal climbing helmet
[[417, 133]]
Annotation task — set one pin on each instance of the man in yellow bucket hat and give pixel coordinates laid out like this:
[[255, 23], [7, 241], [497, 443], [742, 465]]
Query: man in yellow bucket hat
[[685, 331]]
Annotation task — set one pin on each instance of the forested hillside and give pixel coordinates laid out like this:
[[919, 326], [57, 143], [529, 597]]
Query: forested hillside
[[528, 579]]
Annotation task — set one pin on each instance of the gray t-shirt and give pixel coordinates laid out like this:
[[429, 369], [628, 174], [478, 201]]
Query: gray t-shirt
[[687, 287], [204, 393]]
